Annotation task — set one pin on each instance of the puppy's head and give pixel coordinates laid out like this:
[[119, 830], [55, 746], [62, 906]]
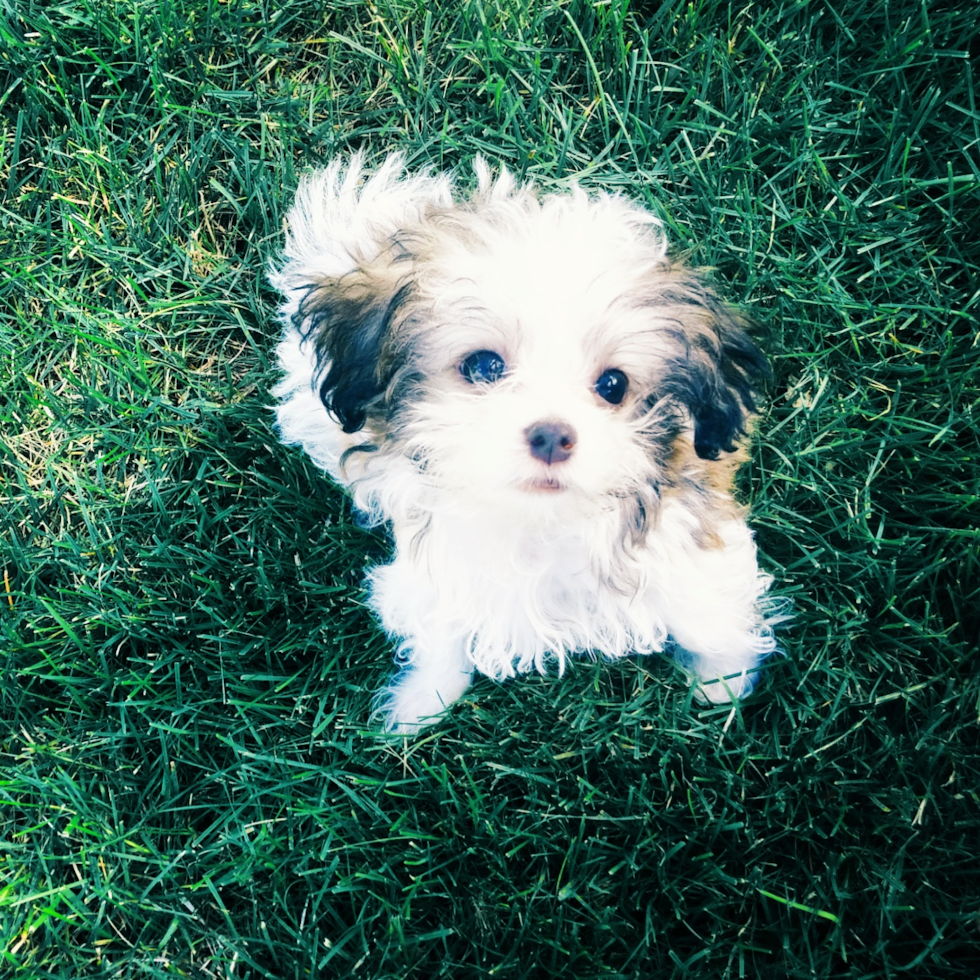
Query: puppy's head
[[537, 354]]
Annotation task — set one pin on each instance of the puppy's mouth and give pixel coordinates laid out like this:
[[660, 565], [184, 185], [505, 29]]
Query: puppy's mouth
[[543, 484]]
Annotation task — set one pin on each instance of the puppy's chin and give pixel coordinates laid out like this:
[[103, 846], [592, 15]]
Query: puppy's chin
[[544, 498], [533, 502], [530, 495], [543, 484]]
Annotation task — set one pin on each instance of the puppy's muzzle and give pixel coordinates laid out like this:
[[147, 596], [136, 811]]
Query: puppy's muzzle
[[550, 442]]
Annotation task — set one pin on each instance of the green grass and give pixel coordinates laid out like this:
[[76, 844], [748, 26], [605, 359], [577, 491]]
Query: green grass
[[187, 780]]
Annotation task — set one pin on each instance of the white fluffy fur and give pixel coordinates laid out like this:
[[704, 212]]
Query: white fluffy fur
[[505, 564]]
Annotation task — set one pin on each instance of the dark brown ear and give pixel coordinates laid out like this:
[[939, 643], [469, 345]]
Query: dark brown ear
[[351, 321], [719, 370]]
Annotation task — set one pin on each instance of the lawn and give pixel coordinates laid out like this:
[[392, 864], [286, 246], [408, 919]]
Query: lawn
[[189, 781]]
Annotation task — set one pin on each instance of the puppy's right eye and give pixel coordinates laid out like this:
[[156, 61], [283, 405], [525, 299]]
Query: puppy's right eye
[[611, 385], [484, 366]]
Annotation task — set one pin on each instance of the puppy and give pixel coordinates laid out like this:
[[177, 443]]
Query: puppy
[[547, 410]]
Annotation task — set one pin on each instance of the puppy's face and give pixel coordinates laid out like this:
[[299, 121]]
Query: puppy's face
[[540, 363], [539, 356]]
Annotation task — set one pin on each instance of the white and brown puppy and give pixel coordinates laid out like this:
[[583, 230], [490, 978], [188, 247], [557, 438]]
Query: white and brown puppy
[[546, 409]]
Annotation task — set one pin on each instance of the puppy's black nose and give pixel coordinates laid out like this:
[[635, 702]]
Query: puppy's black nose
[[551, 442]]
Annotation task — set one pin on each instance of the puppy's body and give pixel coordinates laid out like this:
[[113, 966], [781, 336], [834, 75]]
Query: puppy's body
[[546, 410]]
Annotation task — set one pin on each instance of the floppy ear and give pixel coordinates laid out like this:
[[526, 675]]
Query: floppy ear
[[719, 371], [346, 273], [351, 322]]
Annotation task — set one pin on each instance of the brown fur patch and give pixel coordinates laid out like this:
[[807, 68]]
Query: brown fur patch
[[707, 486]]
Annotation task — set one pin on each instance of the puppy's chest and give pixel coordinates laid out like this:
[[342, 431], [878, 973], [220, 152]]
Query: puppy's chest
[[488, 575]]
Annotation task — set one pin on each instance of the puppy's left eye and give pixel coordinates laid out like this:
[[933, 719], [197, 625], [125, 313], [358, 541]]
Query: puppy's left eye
[[482, 365], [611, 386]]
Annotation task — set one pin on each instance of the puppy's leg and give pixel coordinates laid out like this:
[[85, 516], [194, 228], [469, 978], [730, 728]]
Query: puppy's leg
[[432, 679], [435, 669], [713, 596]]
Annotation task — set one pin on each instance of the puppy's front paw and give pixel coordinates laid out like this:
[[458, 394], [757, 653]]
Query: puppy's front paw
[[723, 679], [415, 698], [724, 690]]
